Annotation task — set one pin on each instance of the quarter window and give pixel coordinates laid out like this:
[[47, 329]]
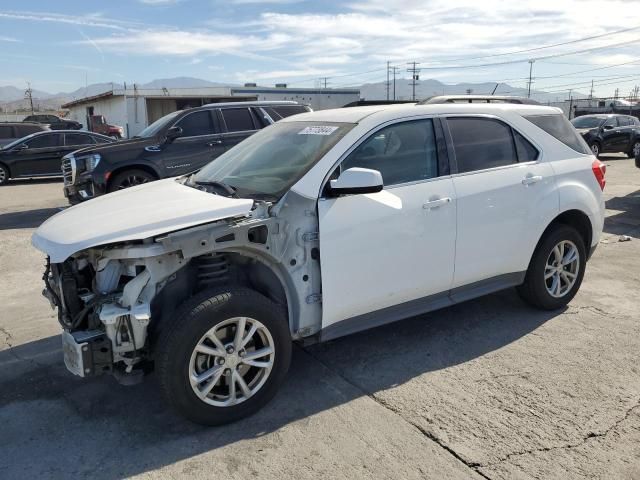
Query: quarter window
[[559, 127], [481, 143], [238, 119], [402, 152], [526, 151], [196, 124]]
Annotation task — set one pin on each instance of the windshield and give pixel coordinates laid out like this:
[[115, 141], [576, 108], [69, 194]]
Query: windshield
[[153, 129], [587, 122], [267, 164]]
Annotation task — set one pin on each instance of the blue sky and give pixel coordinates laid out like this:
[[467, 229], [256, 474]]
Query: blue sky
[[57, 46]]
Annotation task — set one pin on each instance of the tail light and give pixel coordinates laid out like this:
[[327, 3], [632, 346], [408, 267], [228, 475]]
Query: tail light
[[599, 169]]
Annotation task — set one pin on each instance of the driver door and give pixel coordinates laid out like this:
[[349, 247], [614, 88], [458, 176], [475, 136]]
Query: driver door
[[386, 255], [42, 156], [199, 143]]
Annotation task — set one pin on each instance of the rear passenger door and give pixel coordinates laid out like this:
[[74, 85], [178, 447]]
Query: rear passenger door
[[504, 195], [625, 126], [239, 124], [200, 142]]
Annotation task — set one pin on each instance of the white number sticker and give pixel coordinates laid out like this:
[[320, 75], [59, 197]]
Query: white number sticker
[[319, 130]]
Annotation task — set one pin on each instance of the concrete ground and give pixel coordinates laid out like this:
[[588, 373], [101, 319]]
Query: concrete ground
[[489, 388]]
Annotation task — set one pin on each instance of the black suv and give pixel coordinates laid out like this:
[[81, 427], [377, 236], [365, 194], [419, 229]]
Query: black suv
[[10, 131], [610, 133], [176, 144], [55, 122]]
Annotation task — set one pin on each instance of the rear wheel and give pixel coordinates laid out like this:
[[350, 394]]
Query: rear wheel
[[130, 178], [4, 174], [224, 356], [635, 150], [556, 269], [595, 149]]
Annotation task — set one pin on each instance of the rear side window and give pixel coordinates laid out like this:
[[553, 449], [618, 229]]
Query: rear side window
[[6, 131], [24, 130], [196, 124], [238, 119], [72, 139], [402, 152], [481, 143], [559, 127]]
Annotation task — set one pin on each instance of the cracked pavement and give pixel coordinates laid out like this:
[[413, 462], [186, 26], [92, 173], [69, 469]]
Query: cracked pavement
[[486, 389]]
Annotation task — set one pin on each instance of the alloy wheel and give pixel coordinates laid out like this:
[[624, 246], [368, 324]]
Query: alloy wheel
[[561, 269], [3, 175], [132, 181], [636, 149], [231, 362], [595, 149]]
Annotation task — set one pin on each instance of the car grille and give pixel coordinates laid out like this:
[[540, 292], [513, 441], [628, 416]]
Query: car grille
[[68, 170]]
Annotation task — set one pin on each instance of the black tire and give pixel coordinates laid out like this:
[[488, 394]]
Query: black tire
[[596, 149], [534, 289], [129, 178], [4, 174], [631, 153], [196, 317]]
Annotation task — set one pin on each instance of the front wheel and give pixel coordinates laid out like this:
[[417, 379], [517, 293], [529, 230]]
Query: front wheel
[[224, 356], [595, 149], [556, 269], [635, 150], [4, 174], [129, 178]]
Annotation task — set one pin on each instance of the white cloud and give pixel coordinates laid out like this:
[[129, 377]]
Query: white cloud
[[159, 2], [9, 39]]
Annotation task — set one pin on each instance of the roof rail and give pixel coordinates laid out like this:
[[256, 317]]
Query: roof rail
[[477, 99]]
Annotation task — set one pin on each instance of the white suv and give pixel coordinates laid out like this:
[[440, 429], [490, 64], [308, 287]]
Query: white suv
[[321, 225]]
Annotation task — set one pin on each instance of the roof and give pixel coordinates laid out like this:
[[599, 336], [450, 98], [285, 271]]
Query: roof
[[390, 112], [255, 103], [479, 99], [80, 101]]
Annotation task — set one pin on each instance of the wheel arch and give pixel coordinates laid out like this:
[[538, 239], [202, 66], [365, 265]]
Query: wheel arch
[[8, 168], [574, 218], [136, 166]]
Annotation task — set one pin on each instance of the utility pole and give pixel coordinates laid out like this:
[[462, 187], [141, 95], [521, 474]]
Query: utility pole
[[324, 81], [388, 83], [591, 91], [28, 93], [394, 70], [570, 103], [414, 78], [530, 78]]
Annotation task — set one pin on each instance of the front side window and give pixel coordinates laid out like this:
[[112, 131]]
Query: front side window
[[587, 122], [611, 122], [559, 127], [238, 119], [402, 152], [268, 163], [481, 143], [287, 110], [196, 124], [45, 141], [155, 128]]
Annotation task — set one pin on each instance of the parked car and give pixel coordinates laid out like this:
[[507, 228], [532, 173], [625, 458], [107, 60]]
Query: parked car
[[178, 143], [11, 131], [40, 154], [318, 226], [610, 133], [55, 122], [99, 124]]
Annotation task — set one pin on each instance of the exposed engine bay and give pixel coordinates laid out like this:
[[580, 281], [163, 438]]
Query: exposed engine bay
[[113, 300]]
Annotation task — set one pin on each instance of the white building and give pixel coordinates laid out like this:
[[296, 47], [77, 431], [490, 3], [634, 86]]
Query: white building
[[134, 108]]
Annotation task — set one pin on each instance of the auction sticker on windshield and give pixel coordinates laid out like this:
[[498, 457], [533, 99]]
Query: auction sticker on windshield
[[319, 130]]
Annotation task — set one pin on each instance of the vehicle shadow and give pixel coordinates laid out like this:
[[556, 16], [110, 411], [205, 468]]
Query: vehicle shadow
[[33, 181], [626, 219], [121, 431], [26, 219]]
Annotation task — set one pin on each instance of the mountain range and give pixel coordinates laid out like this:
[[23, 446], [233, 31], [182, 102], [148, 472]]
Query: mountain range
[[13, 98]]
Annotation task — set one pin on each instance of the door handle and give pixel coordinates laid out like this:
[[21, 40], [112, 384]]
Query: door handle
[[531, 179], [213, 143], [436, 203]]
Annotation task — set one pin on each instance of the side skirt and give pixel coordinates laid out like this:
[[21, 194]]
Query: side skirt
[[420, 306]]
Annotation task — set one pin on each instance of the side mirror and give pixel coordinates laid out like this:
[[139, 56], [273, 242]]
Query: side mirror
[[607, 127], [356, 180], [173, 133]]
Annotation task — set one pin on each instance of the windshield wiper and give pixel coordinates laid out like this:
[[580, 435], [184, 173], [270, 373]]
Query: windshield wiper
[[231, 191]]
